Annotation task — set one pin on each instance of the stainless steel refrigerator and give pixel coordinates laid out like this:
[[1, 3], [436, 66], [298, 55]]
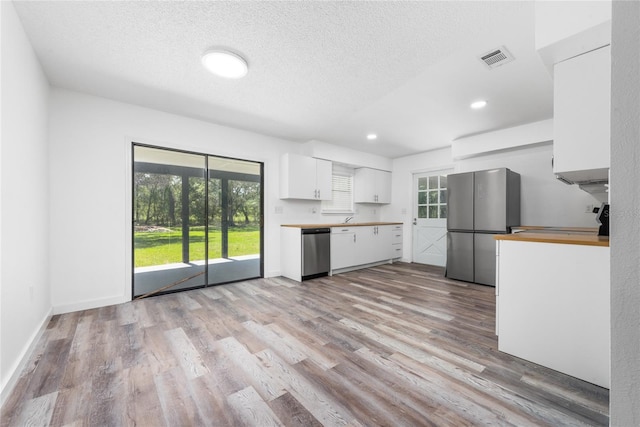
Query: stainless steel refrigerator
[[480, 205]]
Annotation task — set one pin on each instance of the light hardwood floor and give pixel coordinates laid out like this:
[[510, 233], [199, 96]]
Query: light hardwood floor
[[394, 345]]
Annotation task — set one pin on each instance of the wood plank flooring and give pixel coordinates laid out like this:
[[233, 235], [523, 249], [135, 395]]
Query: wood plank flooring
[[394, 345]]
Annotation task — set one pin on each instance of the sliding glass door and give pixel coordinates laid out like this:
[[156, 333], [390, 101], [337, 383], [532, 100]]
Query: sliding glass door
[[235, 219], [197, 220]]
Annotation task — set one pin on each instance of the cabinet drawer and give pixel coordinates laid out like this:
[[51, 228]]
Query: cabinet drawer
[[396, 237], [396, 250], [342, 230]]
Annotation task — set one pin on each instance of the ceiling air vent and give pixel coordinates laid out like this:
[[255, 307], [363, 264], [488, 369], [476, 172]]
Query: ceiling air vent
[[497, 57]]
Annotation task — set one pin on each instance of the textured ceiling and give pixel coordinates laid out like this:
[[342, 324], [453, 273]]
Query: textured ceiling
[[329, 71]]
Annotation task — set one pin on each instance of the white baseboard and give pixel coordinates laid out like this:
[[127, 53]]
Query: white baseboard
[[16, 370], [89, 304], [272, 274]]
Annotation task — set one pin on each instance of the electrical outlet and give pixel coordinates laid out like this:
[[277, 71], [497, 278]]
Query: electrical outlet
[[278, 209], [314, 210], [589, 209], [403, 211], [374, 211]]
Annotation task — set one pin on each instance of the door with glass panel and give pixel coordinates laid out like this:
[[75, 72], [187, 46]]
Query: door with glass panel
[[430, 218], [190, 211]]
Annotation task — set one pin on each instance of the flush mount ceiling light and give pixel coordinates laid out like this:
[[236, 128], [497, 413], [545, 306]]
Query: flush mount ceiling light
[[225, 64], [478, 104], [372, 136]]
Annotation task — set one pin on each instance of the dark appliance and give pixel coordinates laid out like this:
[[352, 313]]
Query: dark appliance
[[480, 205], [316, 252], [603, 220]]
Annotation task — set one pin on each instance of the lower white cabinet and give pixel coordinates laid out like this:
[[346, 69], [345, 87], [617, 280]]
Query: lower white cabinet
[[353, 246], [343, 247], [553, 306], [396, 241]]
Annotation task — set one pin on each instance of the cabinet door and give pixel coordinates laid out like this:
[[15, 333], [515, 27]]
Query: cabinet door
[[364, 245], [364, 186], [297, 177], [372, 186], [303, 177], [383, 238], [582, 109], [323, 179], [383, 186], [343, 249]]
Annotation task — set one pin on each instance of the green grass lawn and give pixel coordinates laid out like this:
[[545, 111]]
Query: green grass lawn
[[165, 247]]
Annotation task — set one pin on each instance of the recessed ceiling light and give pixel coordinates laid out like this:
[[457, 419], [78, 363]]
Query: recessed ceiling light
[[478, 104], [225, 64], [372, 136]]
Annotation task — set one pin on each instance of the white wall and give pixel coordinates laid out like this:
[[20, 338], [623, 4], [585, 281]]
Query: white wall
[[91, 167], [345, 155], [24, 288], [625, 216], [544, 200]]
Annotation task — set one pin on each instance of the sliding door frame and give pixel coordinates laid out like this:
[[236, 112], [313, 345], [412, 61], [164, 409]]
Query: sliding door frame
[[183, 171]]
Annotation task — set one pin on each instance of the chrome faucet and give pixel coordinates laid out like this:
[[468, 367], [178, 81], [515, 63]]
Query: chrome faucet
[[349, 218]]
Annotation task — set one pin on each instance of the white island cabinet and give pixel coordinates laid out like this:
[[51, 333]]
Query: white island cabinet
[[553, 305]]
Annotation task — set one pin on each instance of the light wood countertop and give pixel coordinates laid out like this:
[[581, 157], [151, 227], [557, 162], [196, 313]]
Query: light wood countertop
[[567, 238], [351, 224]]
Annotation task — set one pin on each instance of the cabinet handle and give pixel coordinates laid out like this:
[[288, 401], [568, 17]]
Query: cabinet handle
[[318, 194], [354, 238]]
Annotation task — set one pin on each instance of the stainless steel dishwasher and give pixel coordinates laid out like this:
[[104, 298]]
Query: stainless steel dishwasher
[[316, 252]]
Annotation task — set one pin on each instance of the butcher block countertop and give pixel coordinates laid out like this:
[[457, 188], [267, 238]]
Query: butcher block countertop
[[565, 235], [351, 224]]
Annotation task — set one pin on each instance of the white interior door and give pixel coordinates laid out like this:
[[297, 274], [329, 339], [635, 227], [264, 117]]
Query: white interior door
[[430, 217]]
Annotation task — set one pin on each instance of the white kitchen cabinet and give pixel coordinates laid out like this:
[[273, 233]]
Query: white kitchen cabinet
[[396, 241], [582, 110], [291, 253], [356, 246], [374, 244], [372, 186], [553, 306], [343, 247], [303, 177]]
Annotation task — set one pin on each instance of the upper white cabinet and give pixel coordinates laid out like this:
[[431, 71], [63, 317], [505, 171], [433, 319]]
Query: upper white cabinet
[[582, 109], [372, 186], [303, 177]]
